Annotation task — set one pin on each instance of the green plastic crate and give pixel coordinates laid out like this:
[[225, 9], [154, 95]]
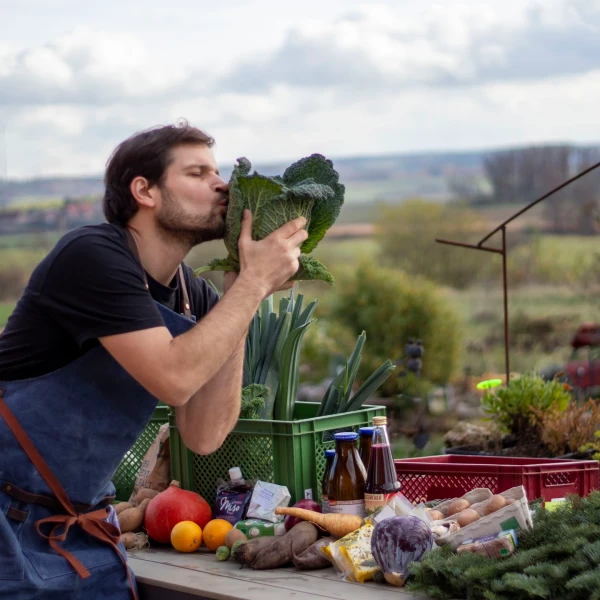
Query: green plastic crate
[[289, 453], [125, 476]]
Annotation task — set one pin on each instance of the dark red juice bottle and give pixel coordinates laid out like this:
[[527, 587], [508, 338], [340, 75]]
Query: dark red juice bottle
[[382, 480]]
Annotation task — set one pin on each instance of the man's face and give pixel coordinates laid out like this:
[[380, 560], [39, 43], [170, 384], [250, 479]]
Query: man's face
[[193, 198]]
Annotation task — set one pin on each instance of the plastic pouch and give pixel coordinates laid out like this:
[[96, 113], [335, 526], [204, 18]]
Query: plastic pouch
[[232, 501]]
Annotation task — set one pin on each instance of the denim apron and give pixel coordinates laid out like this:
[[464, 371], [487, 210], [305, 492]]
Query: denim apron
[[59, 537]]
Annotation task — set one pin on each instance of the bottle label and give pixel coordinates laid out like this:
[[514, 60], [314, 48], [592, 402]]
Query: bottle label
[[375, 501], [347, 507]]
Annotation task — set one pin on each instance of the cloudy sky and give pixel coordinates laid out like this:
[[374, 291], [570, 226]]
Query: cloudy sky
[[276, 80]]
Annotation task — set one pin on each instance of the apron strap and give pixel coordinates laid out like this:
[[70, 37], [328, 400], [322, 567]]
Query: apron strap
[[94, 523], [184, 298]]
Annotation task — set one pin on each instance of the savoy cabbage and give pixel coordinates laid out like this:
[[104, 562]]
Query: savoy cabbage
[[308, 188]]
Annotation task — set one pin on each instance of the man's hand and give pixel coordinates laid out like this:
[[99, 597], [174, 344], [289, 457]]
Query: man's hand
[[271, 262], [231, 277]]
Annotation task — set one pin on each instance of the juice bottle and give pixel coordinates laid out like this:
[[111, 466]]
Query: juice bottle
[[365, 440], [329, 454], [346, 488], [382, 481]]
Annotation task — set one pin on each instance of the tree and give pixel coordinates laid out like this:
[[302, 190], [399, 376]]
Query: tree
[[407, 233]]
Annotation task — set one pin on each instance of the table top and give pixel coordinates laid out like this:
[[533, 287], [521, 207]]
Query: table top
[[200, 574]]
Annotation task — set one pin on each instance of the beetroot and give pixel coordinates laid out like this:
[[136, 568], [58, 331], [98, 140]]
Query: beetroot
[[290, 521]]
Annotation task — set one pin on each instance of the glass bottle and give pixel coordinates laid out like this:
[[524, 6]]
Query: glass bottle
[[382, 480], [329, 454], [365, 440], [346, 488]]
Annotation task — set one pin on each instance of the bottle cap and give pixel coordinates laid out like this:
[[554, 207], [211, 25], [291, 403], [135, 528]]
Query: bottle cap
[[377, 421], [366, 430], [345, 436], [235, 473], [329, 453]]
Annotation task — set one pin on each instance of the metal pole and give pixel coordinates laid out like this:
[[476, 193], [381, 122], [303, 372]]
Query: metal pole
[[505, 288]]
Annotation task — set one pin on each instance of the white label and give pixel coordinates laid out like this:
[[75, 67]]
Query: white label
[[264, 498], [308, 494], [347, 507]]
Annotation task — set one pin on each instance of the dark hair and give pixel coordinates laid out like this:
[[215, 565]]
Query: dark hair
[[144, 154]]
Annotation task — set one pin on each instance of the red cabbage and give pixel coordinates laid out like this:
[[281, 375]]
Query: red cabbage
[[398, 541]]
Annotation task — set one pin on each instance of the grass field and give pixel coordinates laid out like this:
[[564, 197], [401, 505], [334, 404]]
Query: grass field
[[6, 309], [563, 303]]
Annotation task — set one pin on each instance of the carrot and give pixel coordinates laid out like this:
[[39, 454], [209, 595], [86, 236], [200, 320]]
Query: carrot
[[337, 525]]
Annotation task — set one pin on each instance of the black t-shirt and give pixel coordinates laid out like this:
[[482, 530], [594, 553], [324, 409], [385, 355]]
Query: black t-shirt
[[90, 285]]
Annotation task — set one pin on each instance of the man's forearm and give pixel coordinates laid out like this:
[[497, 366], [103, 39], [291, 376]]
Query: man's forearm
[[215, 339], [212, 412]]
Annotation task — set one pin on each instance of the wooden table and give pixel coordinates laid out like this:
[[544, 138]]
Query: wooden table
[[169, 575]]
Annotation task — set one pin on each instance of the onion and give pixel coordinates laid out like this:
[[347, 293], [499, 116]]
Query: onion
[[290, 521]]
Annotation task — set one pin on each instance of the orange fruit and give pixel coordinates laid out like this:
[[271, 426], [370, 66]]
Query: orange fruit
[[215, 532], [186, 536]]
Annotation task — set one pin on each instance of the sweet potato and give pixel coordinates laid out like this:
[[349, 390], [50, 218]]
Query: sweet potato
[[246, 553], [132, 518], [144, 493], [282, 551], [119, 508], [313, 557]]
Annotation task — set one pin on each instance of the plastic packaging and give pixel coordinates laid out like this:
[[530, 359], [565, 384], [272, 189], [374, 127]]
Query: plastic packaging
[[266, 497], [351, 555], [253, 528], [233, 497]]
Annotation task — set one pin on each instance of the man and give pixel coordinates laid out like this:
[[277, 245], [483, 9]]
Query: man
[[111, 322]]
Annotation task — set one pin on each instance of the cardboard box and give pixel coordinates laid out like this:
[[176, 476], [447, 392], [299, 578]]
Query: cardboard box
[[514, 516]]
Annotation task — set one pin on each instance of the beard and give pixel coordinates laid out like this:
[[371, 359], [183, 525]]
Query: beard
[[177, 224]]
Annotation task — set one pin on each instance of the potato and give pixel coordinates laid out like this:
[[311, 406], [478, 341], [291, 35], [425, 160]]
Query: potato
[[466, 517], [457, 506], [493, 504], [510, 501], [233, 535], [135, 541], [144, 493], [121, 506], [436, 515], [132, 518]]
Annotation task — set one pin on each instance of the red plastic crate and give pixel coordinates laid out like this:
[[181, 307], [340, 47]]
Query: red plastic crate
[[452, 475]]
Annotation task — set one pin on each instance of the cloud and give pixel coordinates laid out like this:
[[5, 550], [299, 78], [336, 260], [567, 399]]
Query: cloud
[[376, 47], [85, 67], [370, 81]]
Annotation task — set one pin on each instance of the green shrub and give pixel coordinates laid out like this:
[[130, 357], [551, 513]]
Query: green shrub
[[515, 406], [392, 307], [407, 233], [326, 345]]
